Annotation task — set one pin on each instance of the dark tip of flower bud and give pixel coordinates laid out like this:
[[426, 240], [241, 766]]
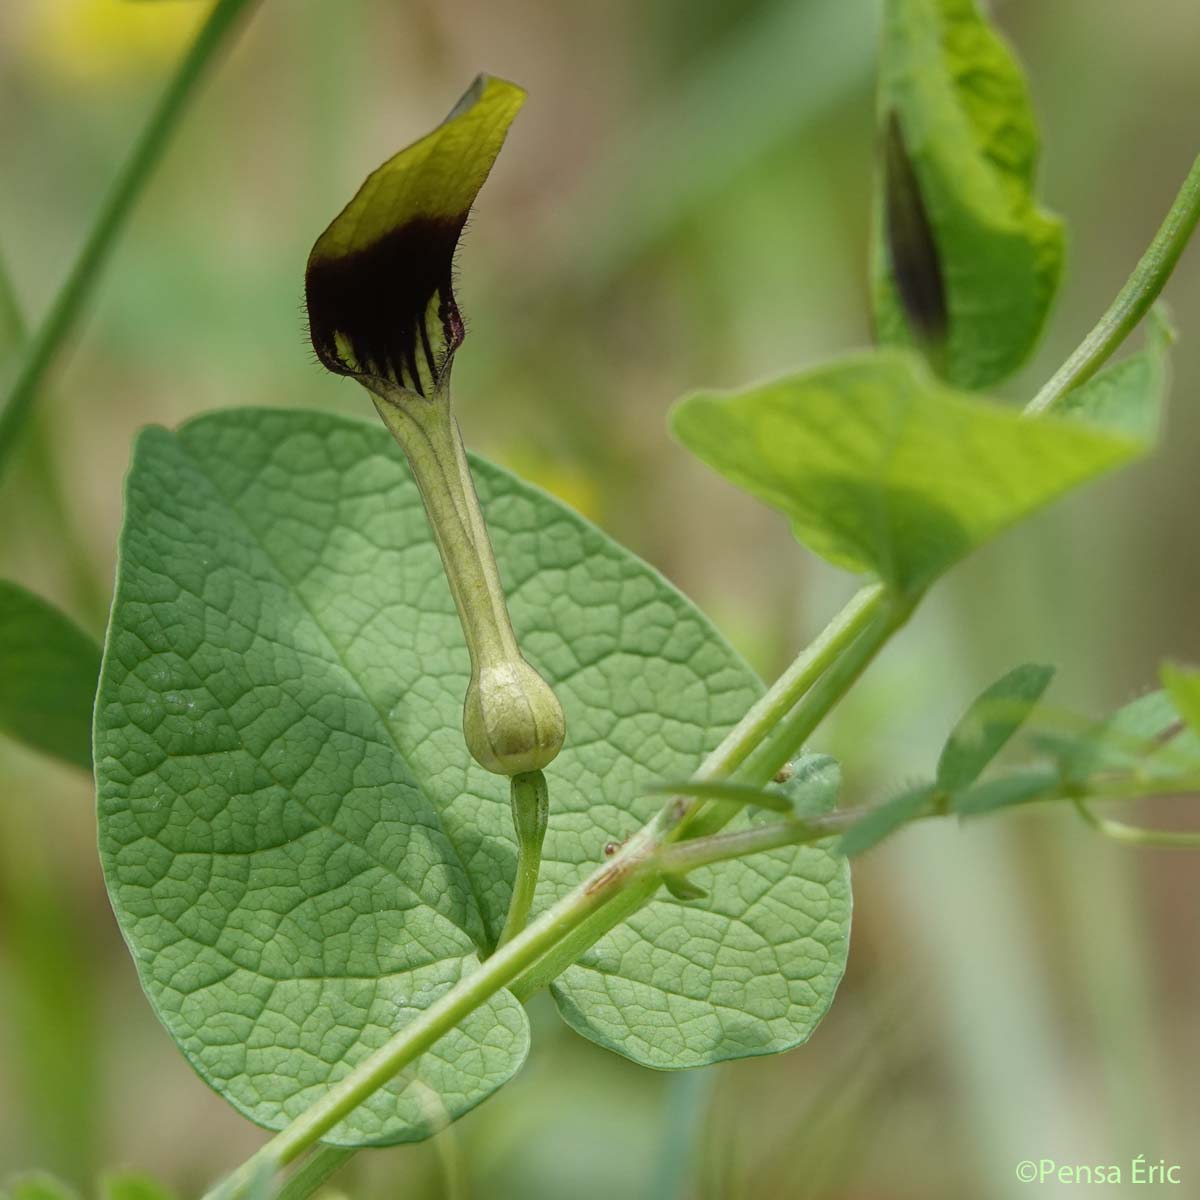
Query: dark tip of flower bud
[[916, 265], [388, 311]]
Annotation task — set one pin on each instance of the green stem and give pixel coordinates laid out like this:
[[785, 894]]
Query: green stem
[[682, 857], [68, 306], [315, 1170], [12, 322], [449, 1154], [884, 616], [1134, 835], [790, 735], [1133, 301], [90, 596], [583, 936], [531, 813], [863, 608]]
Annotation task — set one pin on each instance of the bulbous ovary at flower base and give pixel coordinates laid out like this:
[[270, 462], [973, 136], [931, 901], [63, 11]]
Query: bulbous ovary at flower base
[[512, 720]]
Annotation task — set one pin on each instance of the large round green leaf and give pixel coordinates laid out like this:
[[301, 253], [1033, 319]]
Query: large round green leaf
[[300, 850]]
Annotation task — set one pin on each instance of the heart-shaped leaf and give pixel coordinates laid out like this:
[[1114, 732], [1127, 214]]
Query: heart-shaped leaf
[[881, 468], [298, 847], [965, 264]]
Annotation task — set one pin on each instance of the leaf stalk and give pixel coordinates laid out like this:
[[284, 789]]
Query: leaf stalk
[[1133, 301]]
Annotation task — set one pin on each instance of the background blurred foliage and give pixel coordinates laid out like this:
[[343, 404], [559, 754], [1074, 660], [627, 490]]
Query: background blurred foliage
[[684, 203]]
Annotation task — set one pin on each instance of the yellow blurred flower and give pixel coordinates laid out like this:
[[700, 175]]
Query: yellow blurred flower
[[96, 41], [566, 482]]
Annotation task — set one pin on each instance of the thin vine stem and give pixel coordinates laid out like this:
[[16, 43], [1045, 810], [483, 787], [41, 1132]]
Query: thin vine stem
[[443, 1015], [788, 737], [1136, 835], [92, 599], [779, 700], [319, 1167], [683, 857], [43, 348], [1133, 301]]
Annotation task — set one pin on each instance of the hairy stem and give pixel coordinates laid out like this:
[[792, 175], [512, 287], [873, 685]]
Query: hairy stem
[[1133, 301], [683, 857], [788, 735], [42, 350]]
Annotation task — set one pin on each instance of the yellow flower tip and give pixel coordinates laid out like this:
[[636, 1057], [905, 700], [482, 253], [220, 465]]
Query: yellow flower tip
[[379, 284]]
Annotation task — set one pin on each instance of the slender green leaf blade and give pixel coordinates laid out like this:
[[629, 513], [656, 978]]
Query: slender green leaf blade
[[48, 673], [994, 716], [883, 820], [882, 469], [964, 264], [1128, 397], [282, 615], [1183, 687]]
